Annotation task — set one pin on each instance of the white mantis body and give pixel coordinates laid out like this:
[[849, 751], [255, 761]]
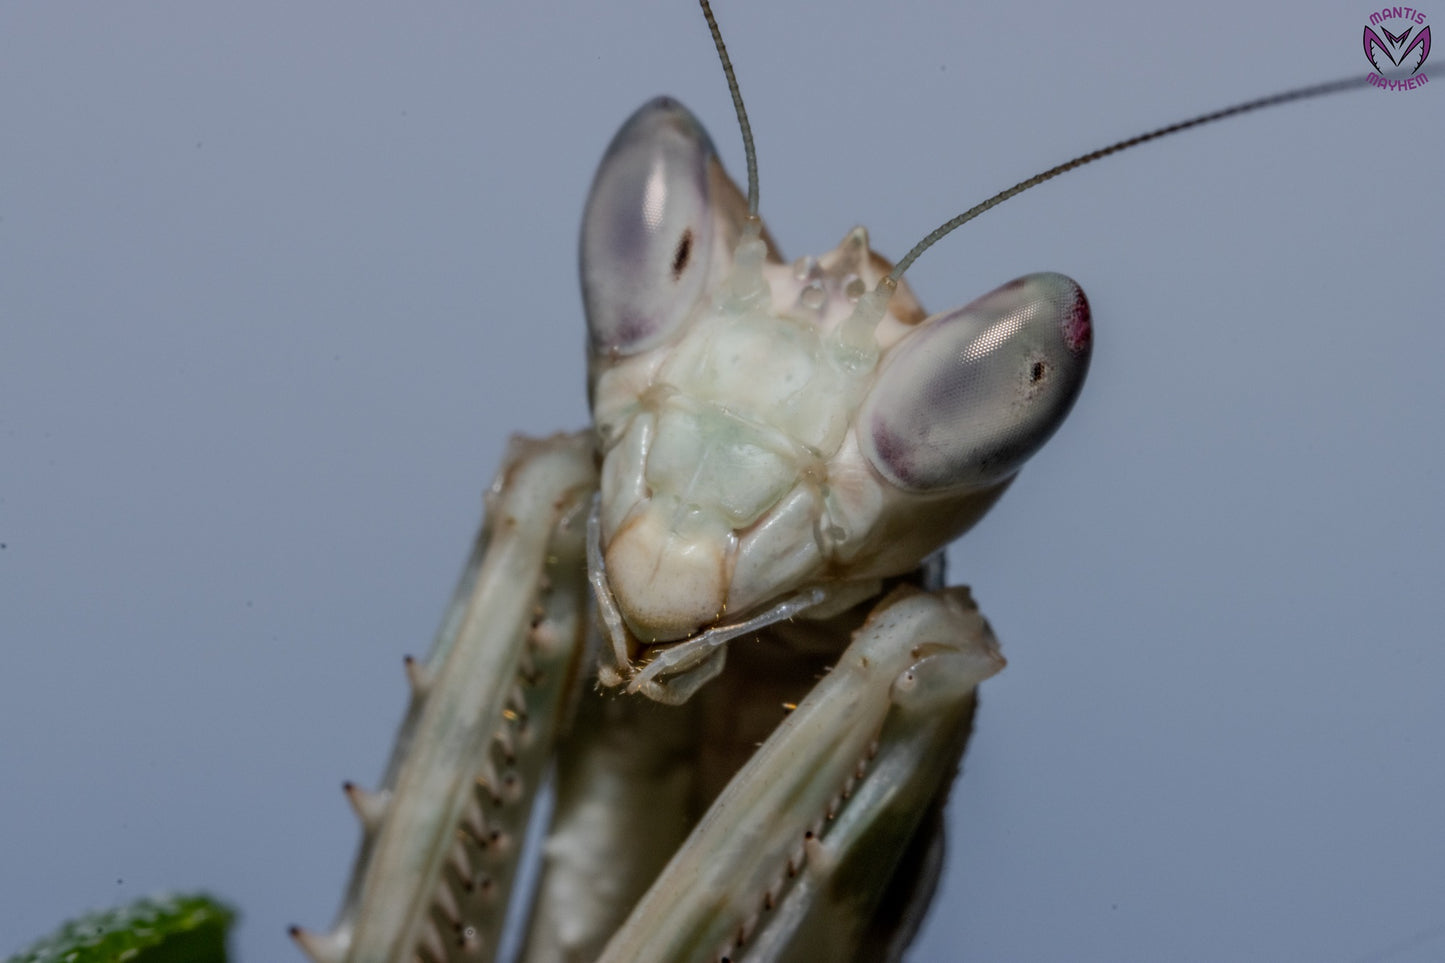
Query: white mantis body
[[1108, 727], [771, 443]]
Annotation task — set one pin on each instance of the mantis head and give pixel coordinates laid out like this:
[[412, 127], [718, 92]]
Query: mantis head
[[772, 430]]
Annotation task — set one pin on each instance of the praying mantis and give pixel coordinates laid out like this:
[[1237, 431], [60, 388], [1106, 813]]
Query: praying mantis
[[1044, 733]]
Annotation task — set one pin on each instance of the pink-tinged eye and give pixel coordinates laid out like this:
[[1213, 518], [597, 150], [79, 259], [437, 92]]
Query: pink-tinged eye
[[967, 397], [647, 231]]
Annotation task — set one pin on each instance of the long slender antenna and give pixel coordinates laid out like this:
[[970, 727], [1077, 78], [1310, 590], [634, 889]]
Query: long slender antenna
[[747, 129], [947, 227]]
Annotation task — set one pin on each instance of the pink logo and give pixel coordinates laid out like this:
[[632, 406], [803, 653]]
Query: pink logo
[[1399, 48]]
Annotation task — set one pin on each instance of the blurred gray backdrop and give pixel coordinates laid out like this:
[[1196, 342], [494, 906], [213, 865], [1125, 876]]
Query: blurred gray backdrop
[[277, 281]]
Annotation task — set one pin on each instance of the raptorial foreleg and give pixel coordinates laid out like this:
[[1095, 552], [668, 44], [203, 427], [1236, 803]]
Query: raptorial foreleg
[[792, 859], [442, 835]]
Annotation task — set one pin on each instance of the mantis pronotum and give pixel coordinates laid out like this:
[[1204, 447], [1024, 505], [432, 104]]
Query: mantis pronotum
[[1106, 645]]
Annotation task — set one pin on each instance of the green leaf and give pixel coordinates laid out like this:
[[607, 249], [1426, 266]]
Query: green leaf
[[162, 929]]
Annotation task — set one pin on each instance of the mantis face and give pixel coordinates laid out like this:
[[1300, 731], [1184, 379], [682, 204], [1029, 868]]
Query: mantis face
[[762, 435]]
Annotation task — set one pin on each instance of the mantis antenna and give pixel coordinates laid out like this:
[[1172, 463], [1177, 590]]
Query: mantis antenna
[[1285, 97], [747, 128], [857, 330]]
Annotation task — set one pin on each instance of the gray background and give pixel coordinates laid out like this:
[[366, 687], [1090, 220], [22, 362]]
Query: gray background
[[276, 283]]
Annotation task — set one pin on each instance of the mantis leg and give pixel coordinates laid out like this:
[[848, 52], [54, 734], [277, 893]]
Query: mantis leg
[[626, 797], [792, 860], [442, 836]]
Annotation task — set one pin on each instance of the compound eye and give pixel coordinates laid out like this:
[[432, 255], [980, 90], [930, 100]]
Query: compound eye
[[647, 233], [969, 396]]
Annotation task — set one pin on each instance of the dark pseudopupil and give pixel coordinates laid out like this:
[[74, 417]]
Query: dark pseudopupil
[[682, 254]]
